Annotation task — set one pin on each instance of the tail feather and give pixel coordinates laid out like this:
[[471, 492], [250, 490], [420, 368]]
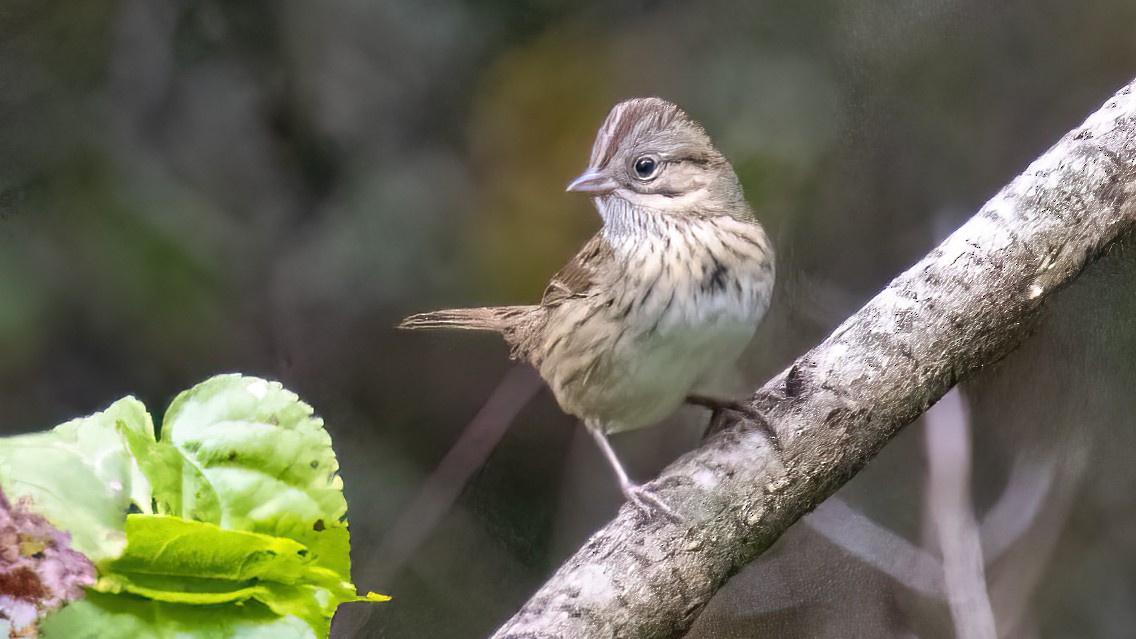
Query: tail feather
[[487, 318]]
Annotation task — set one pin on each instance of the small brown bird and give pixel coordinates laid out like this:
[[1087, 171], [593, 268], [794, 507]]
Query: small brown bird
[[673, 285]]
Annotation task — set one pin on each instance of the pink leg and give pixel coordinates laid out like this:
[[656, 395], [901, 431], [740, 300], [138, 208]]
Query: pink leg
[[636, 494]]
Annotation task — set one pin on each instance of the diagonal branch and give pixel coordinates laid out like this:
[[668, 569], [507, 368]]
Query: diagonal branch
[[964, 306]]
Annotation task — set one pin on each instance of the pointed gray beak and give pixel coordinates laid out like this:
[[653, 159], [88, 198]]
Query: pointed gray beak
[[592, 181]]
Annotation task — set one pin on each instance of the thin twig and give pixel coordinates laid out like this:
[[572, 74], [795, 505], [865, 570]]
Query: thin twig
[[878, 547], [438, 493], [947, 437]]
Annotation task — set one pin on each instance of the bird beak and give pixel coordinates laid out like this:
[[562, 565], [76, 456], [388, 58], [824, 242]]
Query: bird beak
[[592, 181]]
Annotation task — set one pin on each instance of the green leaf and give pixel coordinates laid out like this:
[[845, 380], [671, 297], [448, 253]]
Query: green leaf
[[81, 477], [178, 486], [268, 460], [249, 538], [106, 616], [186, 562], [173, 547]]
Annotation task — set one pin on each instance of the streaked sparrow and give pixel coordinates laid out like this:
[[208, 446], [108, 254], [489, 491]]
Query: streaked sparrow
[[672, 286]]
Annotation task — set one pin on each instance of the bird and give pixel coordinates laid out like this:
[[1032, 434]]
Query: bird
[[672, 286]]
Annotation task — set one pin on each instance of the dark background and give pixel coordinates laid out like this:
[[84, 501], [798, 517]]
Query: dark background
[[196, 187]]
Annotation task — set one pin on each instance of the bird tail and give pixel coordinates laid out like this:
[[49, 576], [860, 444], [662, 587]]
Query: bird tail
[[486, 318]]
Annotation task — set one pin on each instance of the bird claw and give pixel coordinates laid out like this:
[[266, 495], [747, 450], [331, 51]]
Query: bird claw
[[647, 502], [719, 407]]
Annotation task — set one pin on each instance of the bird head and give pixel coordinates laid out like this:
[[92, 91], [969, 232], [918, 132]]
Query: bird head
[[651, 155]]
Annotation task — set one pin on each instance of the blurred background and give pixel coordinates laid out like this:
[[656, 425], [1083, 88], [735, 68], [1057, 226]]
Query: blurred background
[[196, 187]]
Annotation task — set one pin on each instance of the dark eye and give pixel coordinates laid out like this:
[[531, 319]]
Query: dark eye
[[646, 167]]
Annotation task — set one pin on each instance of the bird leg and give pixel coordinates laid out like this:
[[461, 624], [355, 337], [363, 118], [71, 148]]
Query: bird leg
[[644, 499], [719, 407]]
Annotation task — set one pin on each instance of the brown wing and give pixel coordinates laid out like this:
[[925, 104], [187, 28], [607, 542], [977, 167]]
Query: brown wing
[[578, 276]]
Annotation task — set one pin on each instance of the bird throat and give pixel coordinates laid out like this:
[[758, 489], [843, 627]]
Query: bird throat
[[624, 220]]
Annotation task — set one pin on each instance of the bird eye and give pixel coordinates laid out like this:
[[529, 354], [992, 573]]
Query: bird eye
[[646, 167]]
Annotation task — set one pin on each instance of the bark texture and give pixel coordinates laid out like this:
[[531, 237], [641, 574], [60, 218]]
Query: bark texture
[[964, 306]]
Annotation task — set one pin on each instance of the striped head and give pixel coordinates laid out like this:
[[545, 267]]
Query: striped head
[[650, 154]]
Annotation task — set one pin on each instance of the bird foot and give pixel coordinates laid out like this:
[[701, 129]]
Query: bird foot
[[719, 407], [647, 502]]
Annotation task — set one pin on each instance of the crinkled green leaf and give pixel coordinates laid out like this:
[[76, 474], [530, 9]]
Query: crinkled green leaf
[[107, 616], [176, 547], [81, 477], [250, 537], [269, 461], [178, 486]]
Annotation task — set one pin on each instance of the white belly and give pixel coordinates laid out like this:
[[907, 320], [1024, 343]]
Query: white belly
[[654, 380], [674, 307]]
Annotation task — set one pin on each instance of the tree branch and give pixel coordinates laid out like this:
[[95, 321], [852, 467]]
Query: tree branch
[[962, 307]]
